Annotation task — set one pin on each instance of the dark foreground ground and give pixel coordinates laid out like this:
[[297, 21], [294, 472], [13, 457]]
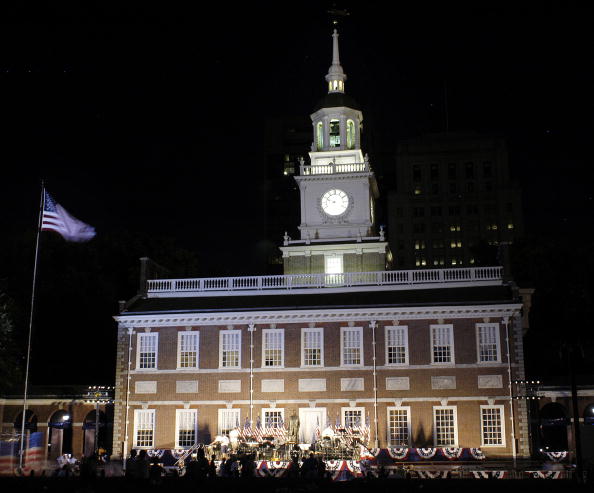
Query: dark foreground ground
[[113, 485]]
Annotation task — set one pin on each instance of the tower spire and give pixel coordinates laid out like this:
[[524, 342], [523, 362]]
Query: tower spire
[[336, 75]]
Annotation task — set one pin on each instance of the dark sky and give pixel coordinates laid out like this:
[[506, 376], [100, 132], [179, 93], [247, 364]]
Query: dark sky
[[153, 120]]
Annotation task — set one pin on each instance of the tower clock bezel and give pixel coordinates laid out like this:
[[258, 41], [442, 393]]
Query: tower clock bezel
[[335, 217]]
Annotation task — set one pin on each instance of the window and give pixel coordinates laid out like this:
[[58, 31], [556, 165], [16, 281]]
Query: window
[[419, 228], [487, 169], [488, 186], [418, 190], [453, 188], [472, 209], [492, 426], [416, 173], [455, 227], [186, 426], [229, 349], [438, 261], [436, 244], [454, 210], [437, 227], [434, 172], [420, 260], [353, 417], [147, 351], [273, 418], [187, 349], [320, 136], [333, 268], [455, 243], [469, 168], [488, 343], [419, 244], [470, 186], [312, 342], [442, 344], [418, 211], [435, 188], [510, 225], [398, 426], [144, 428], [334, 133], [445, 432], [350, 128], [452, 171], [351, 343], [397, 345], [273, 348], [228, 420], [435, 211]]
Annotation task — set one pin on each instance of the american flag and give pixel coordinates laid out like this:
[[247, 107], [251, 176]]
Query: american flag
[[8, 457], [56, 218], [34, 454]]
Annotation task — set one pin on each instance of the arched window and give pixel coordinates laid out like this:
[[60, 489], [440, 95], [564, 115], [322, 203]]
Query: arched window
[[350, 134], [320, 136], [30, 421], [334, 133], [553, 427]]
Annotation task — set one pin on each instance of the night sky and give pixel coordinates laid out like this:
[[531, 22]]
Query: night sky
[[150, 126]]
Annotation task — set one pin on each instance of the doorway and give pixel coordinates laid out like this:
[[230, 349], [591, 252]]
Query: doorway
[[312, 421]]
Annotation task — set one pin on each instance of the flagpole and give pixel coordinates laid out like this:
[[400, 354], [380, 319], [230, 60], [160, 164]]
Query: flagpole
[[41, 205]]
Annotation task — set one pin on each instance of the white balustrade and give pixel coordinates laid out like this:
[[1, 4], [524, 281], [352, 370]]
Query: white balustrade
[[316, 281], [333, 168]]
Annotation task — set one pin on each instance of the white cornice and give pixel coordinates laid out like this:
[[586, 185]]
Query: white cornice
[[355, 247], [318, 315]]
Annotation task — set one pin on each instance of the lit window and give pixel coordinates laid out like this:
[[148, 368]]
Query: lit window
[[510, 225], [312, 341], [229, 349], [353, 418], [419, 244], [144, 428], [471, 261], [488, 342], [442, 344], [228, 420], [334, 269], [445, 432], [273, 348], [492, 426], [420, 261], [186, 425], [334, 133], [351, 342], [399, 426], [320, 136], [455, 227], [438, 261], [397, 345], [350, 134], [187, 349], [147, 351], [455, 243], [418, 190]]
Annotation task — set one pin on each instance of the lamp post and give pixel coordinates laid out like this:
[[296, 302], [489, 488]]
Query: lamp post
[[98, 395]]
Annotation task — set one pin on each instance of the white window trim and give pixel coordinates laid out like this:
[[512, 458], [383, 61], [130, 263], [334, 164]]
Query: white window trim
[[501, 408], [139, 336], [179, 338], [343, 411], [177, 413], [408, 423], [351, 365], [274, 331], [452, 345], [498, 342], [220, 419], [320, 330], [136, 420], [386, 329], [227, 331], [455, 408], [272, 409]]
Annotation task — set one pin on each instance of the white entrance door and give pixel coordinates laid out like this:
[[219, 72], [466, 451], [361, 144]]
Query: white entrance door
[[311, 419]]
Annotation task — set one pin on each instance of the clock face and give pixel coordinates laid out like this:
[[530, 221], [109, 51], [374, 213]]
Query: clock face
[[335, 202]]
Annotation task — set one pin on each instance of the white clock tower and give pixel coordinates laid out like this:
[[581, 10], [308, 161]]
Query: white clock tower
[[338, 191]]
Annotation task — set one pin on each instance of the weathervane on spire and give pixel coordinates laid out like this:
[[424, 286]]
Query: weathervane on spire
[[335, 13]]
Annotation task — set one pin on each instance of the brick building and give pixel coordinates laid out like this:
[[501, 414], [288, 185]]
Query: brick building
[[414, 358]]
